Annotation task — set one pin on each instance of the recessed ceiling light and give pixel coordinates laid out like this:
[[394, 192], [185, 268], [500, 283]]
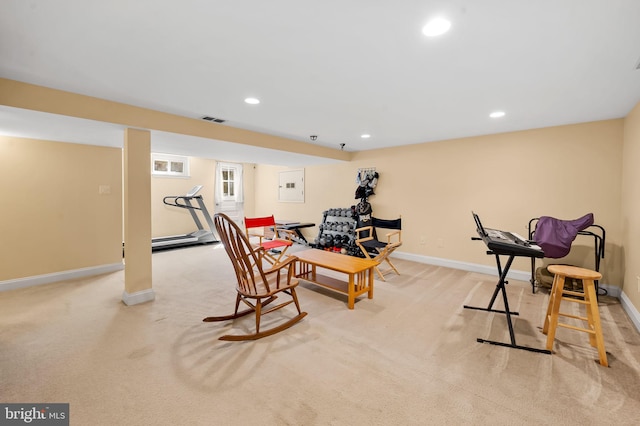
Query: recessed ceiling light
[[497, 114], [436, 27], [252, 101], [365, 136]]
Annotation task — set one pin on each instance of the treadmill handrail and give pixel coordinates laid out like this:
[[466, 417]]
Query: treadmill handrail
[[176, 203]]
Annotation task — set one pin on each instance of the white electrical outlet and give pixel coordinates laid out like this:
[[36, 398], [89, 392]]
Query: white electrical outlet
[[423, 240], [440, 243]]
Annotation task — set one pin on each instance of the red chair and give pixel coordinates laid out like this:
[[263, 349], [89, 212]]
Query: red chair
[[274, 248]]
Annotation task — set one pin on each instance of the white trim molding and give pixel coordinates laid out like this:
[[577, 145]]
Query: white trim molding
[[631, 310], [138, 297], [59, 276], [465, 266]]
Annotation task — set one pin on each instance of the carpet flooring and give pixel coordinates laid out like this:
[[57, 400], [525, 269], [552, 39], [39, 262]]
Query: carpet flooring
[[408, 356]]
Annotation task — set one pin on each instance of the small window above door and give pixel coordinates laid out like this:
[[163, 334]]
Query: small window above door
[[169, 165]]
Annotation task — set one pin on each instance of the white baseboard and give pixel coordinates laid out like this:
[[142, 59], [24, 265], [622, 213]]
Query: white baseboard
[[465, 266], [59, 276], [631, 310], [138, 297]]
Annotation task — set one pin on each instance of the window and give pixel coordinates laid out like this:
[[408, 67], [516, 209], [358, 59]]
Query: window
[[228, 182], [169, 165], [228, 194]]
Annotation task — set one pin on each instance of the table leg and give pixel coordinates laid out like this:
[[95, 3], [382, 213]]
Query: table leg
[[370, 283], [303, 269], [351, 291]]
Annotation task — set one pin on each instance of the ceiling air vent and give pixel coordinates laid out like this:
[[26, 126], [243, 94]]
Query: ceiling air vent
[[213, 119]]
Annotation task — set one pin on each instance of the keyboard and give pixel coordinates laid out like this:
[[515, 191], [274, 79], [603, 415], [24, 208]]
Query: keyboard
[[510, 243]]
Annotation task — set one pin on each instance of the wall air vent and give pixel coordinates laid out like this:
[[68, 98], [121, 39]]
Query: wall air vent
[[213, 119]]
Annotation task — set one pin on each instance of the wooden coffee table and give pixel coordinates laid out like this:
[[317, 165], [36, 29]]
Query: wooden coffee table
[[360, 272]]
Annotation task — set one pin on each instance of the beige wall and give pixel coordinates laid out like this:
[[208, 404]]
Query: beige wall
[[53, 217], [630, 217], [167, 220], [507, 179]]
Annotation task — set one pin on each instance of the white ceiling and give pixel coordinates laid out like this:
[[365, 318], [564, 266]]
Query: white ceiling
[[335, 69]]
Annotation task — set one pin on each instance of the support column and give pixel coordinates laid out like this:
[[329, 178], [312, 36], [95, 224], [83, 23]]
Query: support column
[[137, 217]]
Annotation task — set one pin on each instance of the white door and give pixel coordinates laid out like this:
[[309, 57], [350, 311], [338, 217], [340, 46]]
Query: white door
[[229, 193]]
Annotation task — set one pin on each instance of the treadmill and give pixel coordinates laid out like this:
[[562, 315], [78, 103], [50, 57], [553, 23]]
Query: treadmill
[[201, 236]]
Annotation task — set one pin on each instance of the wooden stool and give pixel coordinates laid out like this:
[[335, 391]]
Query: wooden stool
[[588, 298]]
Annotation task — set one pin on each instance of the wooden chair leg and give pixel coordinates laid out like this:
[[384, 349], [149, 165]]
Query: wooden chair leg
[[258, 314], [555, 308], [380, 274], [294, 296], [590, 293], [237, 314], [392, 265], [545, 328], [238, 298], [590, 315], [383, 256]]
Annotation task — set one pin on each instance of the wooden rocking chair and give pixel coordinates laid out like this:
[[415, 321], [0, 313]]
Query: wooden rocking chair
[[256, 287]]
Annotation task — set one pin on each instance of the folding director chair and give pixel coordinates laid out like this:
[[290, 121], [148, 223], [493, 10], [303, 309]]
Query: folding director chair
[[274, 248], [379, 249]]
